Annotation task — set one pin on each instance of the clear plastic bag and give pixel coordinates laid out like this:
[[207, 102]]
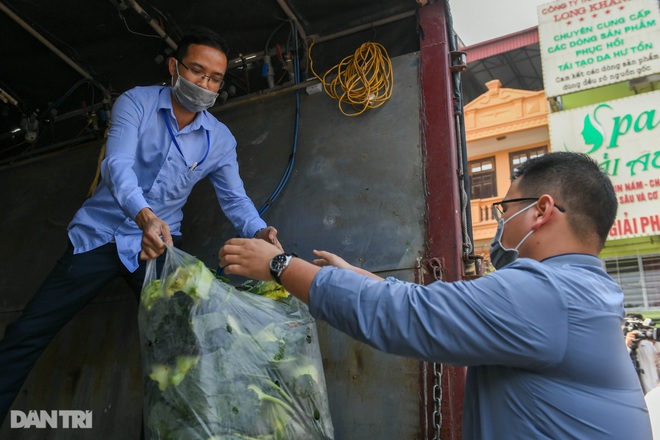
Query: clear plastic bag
[[224, 363]]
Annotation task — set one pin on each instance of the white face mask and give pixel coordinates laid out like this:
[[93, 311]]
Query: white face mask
[[499, 255], [191, 96]]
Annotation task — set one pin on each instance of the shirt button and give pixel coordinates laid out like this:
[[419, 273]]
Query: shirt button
[[169, 158], [158, 181]]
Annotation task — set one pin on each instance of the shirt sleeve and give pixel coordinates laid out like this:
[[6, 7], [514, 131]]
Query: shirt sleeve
[[485, 321], [233, 199], [117, 169]]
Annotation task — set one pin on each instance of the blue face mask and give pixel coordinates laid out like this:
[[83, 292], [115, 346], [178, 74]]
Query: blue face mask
[[191, 96], [499, 255]]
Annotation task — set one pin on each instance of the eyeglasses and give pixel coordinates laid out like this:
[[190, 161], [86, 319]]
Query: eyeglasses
[[217, 80], [499, 214]]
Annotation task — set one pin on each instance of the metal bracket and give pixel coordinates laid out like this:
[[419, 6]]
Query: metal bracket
[[474, 267], [458, 61]]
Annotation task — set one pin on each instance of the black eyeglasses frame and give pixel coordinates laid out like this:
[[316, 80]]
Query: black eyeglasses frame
[[200, 74], [498, 213]]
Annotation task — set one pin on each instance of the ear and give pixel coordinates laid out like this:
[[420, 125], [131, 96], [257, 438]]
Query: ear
[[171, 65], [544, 210]]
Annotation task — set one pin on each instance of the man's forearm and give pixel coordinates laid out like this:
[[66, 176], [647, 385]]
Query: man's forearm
[[298, 277]]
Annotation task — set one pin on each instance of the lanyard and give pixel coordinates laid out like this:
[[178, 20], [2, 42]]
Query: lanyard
[[176, 144]]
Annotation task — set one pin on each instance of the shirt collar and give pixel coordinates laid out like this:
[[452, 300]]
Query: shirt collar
[[577, 259]]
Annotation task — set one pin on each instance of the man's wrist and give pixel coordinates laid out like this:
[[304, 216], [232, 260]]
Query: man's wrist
[[144, 216], [278, 265]]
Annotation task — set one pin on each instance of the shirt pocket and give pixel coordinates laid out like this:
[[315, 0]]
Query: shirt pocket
[[174, 184], [184, 184]]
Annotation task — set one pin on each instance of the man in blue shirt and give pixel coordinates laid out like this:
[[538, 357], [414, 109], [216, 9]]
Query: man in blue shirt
[[161, 142], [541, 336]]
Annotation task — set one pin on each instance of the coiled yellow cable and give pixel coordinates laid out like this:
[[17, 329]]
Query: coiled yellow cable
[[364, 80]]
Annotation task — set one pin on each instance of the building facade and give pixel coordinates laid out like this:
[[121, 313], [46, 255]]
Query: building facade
[[503, 128]]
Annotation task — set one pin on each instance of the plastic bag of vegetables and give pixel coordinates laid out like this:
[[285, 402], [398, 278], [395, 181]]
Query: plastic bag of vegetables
[[222, 362]]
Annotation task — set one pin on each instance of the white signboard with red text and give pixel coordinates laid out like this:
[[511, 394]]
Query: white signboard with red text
[[623, 136], [592, 43]]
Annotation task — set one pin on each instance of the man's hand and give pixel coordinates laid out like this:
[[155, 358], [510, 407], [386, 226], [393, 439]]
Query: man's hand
[[251, 257], [155, 234], [329, 259], [269, 234], [630, 337], [248, 257]]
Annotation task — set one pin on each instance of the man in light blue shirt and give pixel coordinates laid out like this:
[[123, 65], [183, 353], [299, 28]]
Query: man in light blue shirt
[[541, 336], [161, 142]]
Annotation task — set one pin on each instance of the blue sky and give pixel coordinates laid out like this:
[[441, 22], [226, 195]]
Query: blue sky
[[481, 20]]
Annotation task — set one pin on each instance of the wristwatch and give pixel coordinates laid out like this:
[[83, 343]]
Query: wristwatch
[[278, 264]]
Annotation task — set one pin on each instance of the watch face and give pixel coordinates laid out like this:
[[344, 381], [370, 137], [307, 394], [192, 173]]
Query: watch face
[[277, 262]]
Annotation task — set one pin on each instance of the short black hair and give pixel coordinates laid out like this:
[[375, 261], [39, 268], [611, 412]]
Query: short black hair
[[203, 36], [577, 184]]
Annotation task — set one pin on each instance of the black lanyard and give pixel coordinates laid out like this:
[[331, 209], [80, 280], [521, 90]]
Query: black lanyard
[[176, 144]]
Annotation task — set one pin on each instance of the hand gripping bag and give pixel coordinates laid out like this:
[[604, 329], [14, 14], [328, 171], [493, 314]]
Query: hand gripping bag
[[223, 362]]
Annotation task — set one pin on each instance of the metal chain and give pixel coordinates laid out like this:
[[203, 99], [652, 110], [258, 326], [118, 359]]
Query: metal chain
[[435, 266], [437, 400]]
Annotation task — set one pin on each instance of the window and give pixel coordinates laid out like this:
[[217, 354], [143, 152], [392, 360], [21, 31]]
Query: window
[[519, 157], [639, 278], [482, 178]]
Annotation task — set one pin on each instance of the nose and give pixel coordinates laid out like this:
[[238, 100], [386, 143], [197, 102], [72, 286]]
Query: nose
[[203, 80]]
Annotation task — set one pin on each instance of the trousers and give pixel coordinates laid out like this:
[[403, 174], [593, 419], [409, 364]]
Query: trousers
[[74, 281]]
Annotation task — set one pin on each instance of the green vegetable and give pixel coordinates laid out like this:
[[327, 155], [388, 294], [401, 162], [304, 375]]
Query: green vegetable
[[194, 279], [229, 363], [269, 289]]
